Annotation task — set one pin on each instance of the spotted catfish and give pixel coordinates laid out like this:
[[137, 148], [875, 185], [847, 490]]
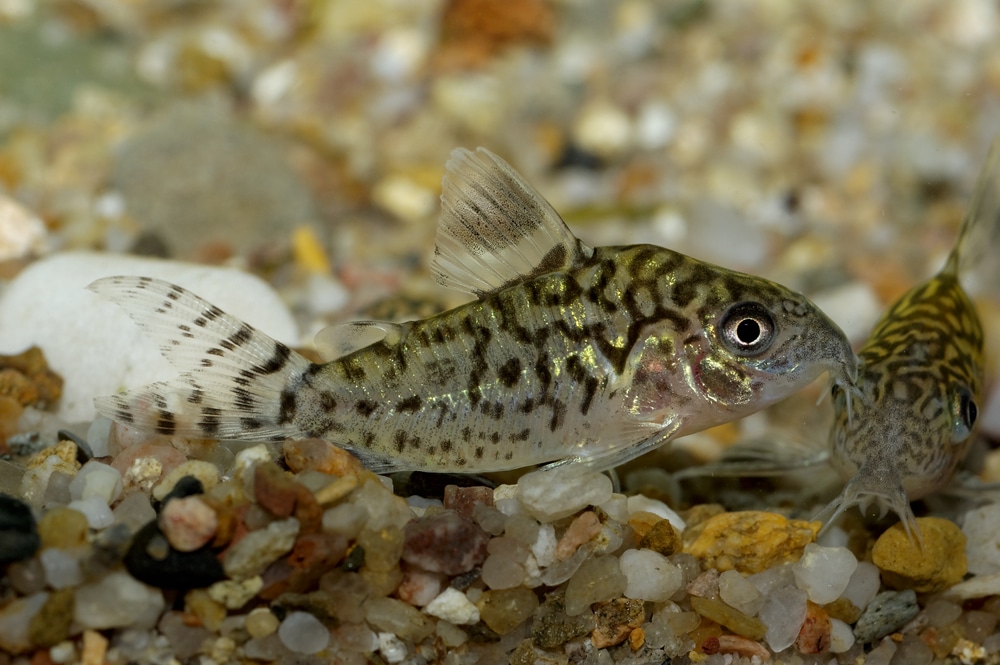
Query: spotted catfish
[[920, 380], [567, 354]]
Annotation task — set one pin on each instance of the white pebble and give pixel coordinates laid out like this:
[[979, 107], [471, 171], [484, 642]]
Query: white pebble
[[453, 606], [544, 547], [882, 654], [392, 648], [783, 612], [824, 572], [98, 435], [650, 576], [736, 591], [616, 507], [980, 527], [117, 600], [301, 632], [346, 519], [96, 510], [639, 503], [603, 129], [62, 569], [863, 585], [841, 636], [555, 493]]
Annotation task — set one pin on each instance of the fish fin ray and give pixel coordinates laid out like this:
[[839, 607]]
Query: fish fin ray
[[496, 229], [233, 376], [980, 232], [765, 456], [607, 458], [342, 339]]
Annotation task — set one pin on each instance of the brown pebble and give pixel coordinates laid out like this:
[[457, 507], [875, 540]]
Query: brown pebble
[[844, 610], [63, 527], [322, 456], [10, 413], [18, 387], [274, 489], [742, 647], [463, 500], [642, 521], [814, 636], [51, 624], [581, 530], [615, 621], [444, 543], [311, 557], [474, 31], [637, 638], [662, 538]]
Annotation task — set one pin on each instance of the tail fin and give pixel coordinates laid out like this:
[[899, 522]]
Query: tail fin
[[235, 383], [979, 237]]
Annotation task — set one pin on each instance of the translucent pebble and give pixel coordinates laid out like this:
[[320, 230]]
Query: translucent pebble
[[134, 511], [354, 637], [977, 625], [824, 572], [259, 549], [451, 635], [773, 578], [268, 648], [57, 492], [783, 613], [117, 600], [96, 510], [544, 547], [882, 654], [489, 519], [597, 580], [503, 610], [396, 617], [383, 547], [392, 648], [15, 619], [301, 632], [62, 568], [616, 508], [521, 528], [992, 644], [96, 479], [346, 519], [913, 651], [841, 636], [561, 571], [98, 436], [502, 572], [261, 622], [736, 591], [650, 576], [863, 585], [941, 613], [555, 493], [508, 506]]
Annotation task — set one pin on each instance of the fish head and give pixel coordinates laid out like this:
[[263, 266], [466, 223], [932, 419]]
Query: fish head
[[768, 343]]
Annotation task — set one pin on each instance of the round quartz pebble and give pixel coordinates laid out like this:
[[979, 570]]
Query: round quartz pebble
[[650, 575], [738, 592], [95, 479], [96, 510], [863, 585], [301, 632], [783, 612], [62, 569], [555, 493], [261, 622], [841, 636], [824, 572]]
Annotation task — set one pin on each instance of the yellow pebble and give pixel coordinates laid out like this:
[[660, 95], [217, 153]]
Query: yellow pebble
[[308, 251], [261, 622], [200, 604], [749, 542], [63, 527], [936, 566]]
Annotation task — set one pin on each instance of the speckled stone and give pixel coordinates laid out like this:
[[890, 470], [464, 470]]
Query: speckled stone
[[444, 543], [52, 623], [939, 564], [887, 613], [814, 636], [662, 538], [551, 627], [749, 541], [616, 619]]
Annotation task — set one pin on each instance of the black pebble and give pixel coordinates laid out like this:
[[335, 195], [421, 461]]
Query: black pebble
[[186, 486], [18, 532], [177, 570]]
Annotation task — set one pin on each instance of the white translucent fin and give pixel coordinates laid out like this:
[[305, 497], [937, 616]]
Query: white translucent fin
[[766, 456], [979, 238], [629, 443], [233, 377], [495, 229], [862, 490], [341, 339]]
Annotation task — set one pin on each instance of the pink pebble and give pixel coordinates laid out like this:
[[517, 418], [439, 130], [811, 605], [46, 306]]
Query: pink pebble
[[580, 531], [188, 523]]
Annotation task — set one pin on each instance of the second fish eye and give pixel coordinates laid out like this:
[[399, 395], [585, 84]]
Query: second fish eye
[[748, 328]]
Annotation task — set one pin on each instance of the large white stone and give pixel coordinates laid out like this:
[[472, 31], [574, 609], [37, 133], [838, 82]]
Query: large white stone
[[117, 600], [93, 344], [980, 527]]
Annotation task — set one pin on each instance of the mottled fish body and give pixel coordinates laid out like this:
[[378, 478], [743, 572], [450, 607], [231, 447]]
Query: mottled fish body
[[920, 380], [568, 354]]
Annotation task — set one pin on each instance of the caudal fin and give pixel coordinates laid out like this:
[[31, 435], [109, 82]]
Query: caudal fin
[[235, 380]]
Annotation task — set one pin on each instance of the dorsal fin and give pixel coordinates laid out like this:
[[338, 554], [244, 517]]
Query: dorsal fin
[[980, 234], [340, 339], [495, 229]]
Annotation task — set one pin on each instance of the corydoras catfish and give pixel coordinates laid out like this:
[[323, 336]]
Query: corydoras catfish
[[568, 354], [920, 380]]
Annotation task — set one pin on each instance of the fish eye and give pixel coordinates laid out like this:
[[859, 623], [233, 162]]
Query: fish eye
[[748, 328], [968, 409]]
